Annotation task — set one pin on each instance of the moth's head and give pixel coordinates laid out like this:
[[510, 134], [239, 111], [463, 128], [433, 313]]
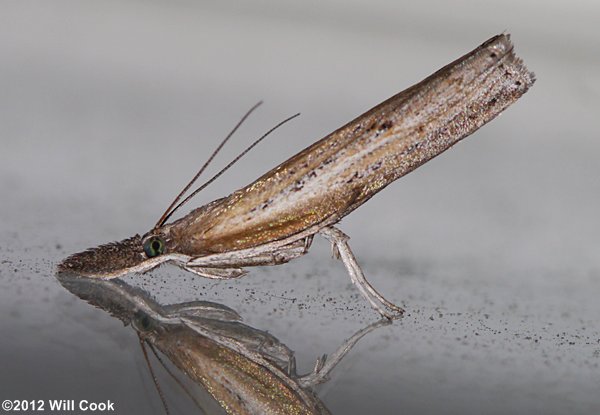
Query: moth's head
[[135, 254]]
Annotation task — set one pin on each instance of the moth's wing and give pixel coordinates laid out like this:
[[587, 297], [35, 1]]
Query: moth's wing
[[335, 175]]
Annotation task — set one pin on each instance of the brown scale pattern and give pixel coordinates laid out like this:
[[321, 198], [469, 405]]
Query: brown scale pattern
[[337, 174]]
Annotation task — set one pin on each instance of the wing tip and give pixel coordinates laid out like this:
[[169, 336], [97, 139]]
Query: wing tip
[[501, 47]]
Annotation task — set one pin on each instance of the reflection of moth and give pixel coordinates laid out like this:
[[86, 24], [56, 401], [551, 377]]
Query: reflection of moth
[[273, 219], [246, 370]]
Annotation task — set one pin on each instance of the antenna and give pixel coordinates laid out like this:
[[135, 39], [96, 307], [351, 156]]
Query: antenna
[[168, 214], [154, 379], [179, 382]]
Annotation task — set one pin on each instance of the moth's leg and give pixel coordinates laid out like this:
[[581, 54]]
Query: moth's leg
[[202, 309], [340, 240], [216, 273], [291, 366], [260, 257], [308, 242], [325, 365]]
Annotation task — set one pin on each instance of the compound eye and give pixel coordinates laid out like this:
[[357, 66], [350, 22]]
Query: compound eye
[[154, 246]]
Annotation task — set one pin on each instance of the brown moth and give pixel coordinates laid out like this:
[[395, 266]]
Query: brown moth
[[274, 219]]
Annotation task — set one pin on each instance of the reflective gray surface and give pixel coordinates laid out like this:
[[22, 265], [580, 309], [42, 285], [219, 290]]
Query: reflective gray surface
[[107, 109]]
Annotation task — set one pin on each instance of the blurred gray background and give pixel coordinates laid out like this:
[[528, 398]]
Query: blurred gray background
[[107, 108]]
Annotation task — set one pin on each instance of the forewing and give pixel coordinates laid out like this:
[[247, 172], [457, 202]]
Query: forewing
[[335, 175]]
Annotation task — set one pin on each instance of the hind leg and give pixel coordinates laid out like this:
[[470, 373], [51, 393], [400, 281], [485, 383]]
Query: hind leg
[[340, 241]]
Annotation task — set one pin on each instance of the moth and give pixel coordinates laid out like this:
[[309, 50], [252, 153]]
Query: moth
[[274, 219]]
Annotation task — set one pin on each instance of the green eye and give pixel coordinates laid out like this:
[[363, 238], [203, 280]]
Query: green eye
[[154, 246], [142, 322]]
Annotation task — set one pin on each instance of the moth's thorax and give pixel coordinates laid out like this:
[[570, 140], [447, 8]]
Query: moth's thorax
[[179, 239]]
